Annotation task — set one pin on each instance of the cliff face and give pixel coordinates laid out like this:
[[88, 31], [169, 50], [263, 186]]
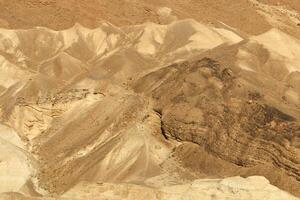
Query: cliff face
[[209, 104]]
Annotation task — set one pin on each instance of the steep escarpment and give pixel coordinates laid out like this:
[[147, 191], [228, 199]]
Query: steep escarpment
[[217, 108]]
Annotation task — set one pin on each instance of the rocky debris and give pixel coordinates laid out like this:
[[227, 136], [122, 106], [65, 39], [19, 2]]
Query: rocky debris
[[68, 96]]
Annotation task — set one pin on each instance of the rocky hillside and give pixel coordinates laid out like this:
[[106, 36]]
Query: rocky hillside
[[169, 110]]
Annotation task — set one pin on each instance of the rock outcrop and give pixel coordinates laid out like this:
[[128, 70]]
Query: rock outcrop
[[215, 107]]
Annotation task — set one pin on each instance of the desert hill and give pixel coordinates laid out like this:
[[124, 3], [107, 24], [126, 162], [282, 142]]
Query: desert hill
[[152, 105]]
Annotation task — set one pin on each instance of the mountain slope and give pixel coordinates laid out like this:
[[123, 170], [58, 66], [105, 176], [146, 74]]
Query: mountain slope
[[145, 105]]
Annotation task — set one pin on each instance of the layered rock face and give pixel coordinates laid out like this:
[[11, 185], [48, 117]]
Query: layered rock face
[[148, 110], [214, 106]]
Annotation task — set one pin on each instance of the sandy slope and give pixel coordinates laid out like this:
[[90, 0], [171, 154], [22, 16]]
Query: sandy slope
[[208, 189], [13, 157]]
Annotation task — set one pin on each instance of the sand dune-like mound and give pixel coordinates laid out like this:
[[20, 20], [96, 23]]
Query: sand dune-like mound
[[145, 111]]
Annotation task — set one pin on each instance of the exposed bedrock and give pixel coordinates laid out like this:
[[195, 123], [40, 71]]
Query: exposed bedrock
[[215, 107]]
